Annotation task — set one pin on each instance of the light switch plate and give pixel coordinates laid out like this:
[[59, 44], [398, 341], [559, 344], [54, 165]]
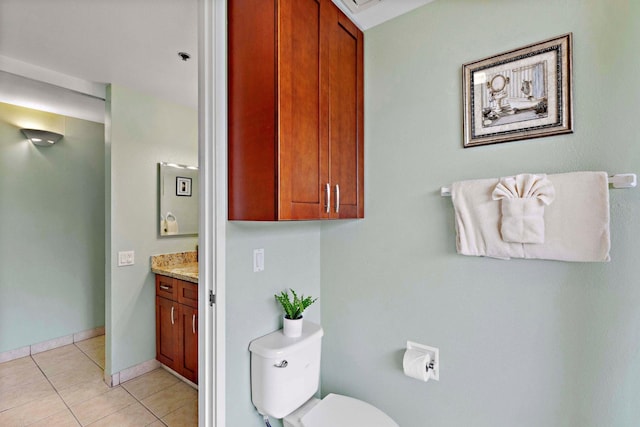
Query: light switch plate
[[258, 260], [126, 258]]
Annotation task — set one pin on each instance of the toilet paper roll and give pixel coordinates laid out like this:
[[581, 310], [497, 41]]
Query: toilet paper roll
[[415, 364]]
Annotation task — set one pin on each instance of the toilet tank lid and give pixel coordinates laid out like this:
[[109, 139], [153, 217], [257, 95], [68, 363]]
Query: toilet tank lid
[[341, 411], [276, 344]]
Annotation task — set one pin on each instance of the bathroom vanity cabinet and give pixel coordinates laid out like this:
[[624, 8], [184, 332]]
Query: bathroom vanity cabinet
[[177, 325], [296, 122]]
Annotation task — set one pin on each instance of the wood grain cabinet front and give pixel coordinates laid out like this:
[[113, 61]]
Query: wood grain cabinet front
[[177, 325], [296, 114]]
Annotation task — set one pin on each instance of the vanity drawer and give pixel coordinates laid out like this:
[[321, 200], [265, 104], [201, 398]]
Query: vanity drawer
[[188, 293], [167, 287]]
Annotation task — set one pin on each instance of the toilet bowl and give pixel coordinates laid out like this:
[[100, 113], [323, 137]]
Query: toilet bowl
[[336, 410], [285, 375]]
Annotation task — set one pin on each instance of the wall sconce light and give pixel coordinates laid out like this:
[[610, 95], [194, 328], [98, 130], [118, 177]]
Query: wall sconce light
[[42, 138]]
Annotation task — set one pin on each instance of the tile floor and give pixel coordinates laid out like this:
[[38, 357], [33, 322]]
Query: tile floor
[[64, 387]]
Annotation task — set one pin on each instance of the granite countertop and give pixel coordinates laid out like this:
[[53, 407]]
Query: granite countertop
[[181, 265]]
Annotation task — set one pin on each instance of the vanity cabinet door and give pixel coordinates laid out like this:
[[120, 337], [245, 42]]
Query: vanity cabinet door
[[167, 332], [189, 343], [177, 325]]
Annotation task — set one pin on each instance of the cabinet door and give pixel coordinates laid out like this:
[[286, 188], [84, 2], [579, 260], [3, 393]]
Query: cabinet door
[[252, 139], [302, 105], [346, 118], [167, 331], [189, 343]]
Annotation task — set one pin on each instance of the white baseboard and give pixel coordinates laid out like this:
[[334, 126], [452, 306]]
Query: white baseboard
[[15, 354], [137, 370], [111, 380], [50, 344], [85, 335], [131, 373]]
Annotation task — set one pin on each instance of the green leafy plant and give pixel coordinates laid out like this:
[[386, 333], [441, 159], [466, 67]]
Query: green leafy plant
[[293, 309]]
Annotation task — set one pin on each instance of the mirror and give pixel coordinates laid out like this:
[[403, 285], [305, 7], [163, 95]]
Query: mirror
[[178, 204]]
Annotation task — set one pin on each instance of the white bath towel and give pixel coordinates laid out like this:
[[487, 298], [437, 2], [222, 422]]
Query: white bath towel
[[523, 198], [172, 224], [163, 226], [576, 224], [477, 219]]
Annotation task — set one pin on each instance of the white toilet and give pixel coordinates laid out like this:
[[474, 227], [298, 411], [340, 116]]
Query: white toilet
[[285, 373]]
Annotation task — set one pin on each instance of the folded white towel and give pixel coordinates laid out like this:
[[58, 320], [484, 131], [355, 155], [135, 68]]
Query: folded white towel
[[477, 218], [577, 223], [523, 199]]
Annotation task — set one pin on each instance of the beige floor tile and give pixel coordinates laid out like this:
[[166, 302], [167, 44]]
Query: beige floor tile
[[78, 374], [185, 416], [32, 412], [94, 349], [101, 406], [19, 371], [99, 358], [157, 424], [133, 415], [170, 399], [150, 383], [61, 419], [56, 353], [92, 343], [20, 394], [59, 360], [7, 368], [83, 391]]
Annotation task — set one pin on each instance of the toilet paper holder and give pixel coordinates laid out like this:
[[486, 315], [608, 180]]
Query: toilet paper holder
[[434, 365]]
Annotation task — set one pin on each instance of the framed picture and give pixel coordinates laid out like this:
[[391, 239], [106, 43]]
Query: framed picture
[[521, 94], [183, 186]]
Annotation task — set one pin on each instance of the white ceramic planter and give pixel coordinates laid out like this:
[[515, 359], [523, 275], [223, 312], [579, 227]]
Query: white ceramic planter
[[292, 327]]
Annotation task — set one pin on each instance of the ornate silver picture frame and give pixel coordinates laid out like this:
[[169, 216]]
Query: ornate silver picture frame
[[521, 94]]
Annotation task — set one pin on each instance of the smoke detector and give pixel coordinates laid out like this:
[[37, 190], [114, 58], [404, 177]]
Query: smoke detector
[[356, 6]]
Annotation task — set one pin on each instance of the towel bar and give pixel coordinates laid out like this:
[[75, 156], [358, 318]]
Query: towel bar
[[621, 180]]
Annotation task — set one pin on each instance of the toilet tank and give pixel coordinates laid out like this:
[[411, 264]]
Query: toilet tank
[[285, 372]]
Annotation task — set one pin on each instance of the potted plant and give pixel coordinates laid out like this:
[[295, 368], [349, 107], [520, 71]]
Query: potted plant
[[292, 326]]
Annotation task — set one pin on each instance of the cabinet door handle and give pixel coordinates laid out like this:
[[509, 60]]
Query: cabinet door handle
[[193, 323], [337, 198], [172, 321], [165, 287], [327, 201]]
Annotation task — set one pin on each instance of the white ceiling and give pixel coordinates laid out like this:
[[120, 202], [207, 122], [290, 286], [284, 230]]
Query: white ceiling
[[134, 43], [383, 11]]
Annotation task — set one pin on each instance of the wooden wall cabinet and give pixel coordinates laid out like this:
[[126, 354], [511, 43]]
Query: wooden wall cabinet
[[296, 111], [177, 325]]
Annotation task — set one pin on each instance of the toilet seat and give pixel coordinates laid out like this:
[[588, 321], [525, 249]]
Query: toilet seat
[[336, 410]]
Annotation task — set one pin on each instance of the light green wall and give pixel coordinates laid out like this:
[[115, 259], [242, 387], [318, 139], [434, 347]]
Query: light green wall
[[292, 260], [51, 228], [523, 343], [143, 131]]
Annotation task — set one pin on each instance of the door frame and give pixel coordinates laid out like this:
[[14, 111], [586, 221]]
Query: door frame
[[212, 156]]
